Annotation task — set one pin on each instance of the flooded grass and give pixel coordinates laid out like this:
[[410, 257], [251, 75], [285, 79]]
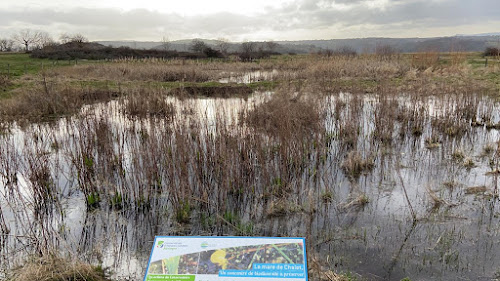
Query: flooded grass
[[406, 178]]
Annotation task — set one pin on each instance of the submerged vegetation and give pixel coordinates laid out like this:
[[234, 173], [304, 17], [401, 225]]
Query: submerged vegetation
[[350, 152]]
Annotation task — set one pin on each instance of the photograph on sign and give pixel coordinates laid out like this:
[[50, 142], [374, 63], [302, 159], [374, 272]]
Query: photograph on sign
[[227, 258]]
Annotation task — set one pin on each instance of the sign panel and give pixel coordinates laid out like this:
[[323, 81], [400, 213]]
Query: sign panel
[[227, 258]]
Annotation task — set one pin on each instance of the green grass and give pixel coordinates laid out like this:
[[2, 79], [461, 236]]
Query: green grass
[[21, 63], [15, 65]]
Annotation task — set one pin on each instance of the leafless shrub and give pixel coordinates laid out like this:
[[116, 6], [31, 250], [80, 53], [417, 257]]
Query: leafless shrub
[[424, 60], [347, 51], [492, 51], [6, 45], [385, 52], [457, 58]]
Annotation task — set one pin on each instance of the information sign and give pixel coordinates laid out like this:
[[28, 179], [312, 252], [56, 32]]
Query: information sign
[[227, 258]]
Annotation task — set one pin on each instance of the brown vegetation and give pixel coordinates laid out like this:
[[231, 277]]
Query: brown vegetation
[[48, 101], [301, 139], [286, 115], [55, 268], [355, 164]]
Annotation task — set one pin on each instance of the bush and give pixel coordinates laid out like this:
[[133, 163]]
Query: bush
[[385, 51], [250, 56], [345, 51], [94, 51], [490, 52], [211, 53]]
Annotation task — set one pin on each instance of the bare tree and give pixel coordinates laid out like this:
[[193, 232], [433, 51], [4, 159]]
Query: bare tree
[[165, 43], [45, 40], [27, 38], [248, 47], [271, 46], [247, 51], [198, 46], [223, 45], [77, 37], [65, 38], [6, 45]]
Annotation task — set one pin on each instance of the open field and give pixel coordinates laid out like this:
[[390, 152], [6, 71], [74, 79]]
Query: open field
[[388, 165]]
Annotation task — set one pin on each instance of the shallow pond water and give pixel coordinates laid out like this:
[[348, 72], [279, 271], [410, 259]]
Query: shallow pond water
[[362, 224], [249, 77]]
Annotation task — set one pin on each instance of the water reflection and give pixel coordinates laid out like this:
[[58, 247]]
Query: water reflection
[[248, 77]]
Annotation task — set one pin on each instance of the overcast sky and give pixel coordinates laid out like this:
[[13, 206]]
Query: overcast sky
[[150, 20]]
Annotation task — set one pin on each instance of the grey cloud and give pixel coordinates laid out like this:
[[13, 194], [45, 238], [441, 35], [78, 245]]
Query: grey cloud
[[398, 11], [112, 22], [298, 15], [91, 17]]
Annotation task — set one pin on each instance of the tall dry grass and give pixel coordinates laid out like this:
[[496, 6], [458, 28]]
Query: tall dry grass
[[158, 70], [286, 114], [56, 268], [50, 100], [364, 66], [142, 104], [425, 60]]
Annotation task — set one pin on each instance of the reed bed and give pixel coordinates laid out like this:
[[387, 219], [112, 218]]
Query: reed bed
[[50, 100], [159, 70]]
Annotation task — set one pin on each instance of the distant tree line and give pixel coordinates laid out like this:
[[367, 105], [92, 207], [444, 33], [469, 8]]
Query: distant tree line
[[95, 51], [76, 46], [28, 40], [346, 51], [73, 49], [248, 51]]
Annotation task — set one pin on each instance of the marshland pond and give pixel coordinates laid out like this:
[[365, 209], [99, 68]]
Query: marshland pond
[[388, 166]]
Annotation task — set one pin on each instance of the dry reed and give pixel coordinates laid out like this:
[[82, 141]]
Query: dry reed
[[55, 268]]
